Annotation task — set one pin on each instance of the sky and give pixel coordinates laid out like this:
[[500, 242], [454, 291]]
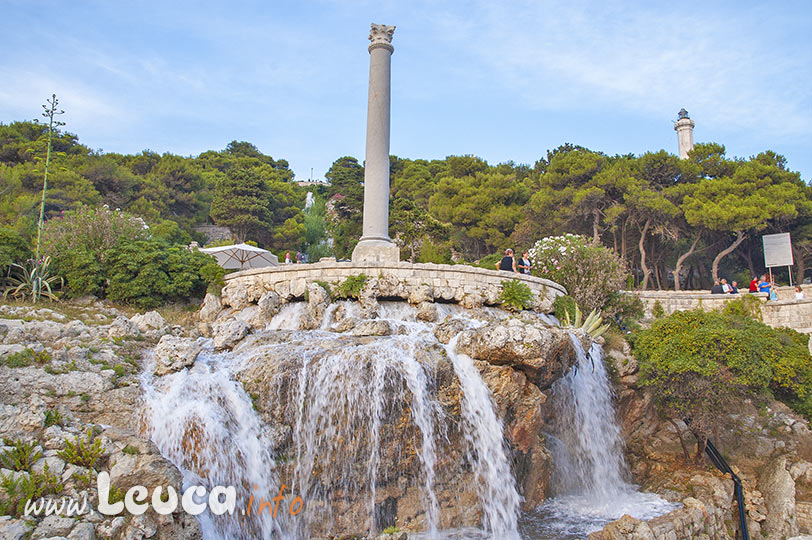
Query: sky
[[503, 80]]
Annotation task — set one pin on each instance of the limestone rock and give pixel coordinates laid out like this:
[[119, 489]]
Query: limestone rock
[[228, 333], [175, 353], [150, 323], [83, 531], [53, 526], [122, 328], [446, 331], [372, 328], [778, 488], [242, 292], [13, 529], [625, 528], [210, 308], [544, 354], [421, 293], [427, 311], [317, 302], [269, 304], [346, 324]]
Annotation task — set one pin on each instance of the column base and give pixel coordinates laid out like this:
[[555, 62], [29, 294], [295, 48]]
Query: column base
[[376, 251]]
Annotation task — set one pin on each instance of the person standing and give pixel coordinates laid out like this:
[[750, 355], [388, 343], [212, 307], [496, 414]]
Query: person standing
[[508, 263], [524, 263], [754, 284], [799, 293], [763, 284], [287, 257]]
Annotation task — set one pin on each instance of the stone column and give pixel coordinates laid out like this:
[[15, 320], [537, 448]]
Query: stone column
[[685, 133], [375, 244]]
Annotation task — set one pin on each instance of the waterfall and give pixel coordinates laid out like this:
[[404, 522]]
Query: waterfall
[[589, 471], [346, 410]]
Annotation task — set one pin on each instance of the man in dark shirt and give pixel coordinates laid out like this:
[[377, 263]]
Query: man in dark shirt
[[717, 287]]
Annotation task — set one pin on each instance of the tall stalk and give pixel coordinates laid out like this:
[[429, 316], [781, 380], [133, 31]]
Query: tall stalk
[[49, 113]]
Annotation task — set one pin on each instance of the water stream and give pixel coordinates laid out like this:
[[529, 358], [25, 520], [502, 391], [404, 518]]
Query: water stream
[[340, 398]]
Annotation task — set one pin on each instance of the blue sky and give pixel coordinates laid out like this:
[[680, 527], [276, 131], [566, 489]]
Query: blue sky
[[504, 80]]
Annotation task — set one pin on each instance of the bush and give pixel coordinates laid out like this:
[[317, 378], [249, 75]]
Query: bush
[[25, 358], [657, 311], [21, 456], [13, 249], [516, 295], [699, 364], [489, 261], [351, 287], [83, 451], [27, 488], [564, 305], [148, 273], [79, 243], [591, 273], [627, 307]]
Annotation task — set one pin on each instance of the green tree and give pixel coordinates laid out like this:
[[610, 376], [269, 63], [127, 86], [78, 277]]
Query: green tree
[[345, 199], [241, 203]]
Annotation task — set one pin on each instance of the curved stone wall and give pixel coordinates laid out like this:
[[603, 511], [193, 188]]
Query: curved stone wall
[[416, 283]]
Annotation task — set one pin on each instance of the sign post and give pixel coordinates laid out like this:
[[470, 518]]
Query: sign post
[[778, 252]]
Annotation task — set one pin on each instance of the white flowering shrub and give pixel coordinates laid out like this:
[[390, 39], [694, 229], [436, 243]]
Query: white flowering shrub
[[591, 273]]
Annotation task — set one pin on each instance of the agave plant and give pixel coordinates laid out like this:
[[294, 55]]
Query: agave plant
[[591, 325], [33, 281]]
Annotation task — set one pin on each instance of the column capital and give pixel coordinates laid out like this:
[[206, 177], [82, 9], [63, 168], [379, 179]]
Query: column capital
[[380, 36]]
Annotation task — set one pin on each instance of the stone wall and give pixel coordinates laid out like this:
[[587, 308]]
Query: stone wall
[[416, 283], [786, 311]]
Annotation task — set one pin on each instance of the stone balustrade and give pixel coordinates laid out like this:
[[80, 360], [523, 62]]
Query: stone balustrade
[[416, 283], [786, 311]]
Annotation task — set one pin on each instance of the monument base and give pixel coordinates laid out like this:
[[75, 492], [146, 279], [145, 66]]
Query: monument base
[[376, 251]]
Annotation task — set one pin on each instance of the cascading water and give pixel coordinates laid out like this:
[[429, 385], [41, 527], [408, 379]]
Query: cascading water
[[589, 469], [339, 420]]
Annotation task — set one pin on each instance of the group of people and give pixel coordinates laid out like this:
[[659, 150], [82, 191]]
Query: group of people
[[757, 285], [510, 264], [300, 257]]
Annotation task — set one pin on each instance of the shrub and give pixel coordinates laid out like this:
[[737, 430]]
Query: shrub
[[53, 418], [351, 287], [26, 357], [13, 249], [657, 310], [24, 488], [79, 242], [564, 306], [21, 456], [83, 451], [516, 295], [489, 261], [148, 273], [699, 363], [33, 281], [591, 273], [627, 307]]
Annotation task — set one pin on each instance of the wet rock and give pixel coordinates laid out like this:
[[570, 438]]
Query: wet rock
[[372, 328], [427, 311], [317, 301], [346, 324], [228, 333], [269, 304], [625, 528], [175, 353], [446, 331]]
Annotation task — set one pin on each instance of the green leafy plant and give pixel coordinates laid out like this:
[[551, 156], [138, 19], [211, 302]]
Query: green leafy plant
[[564, 306], [657, 310], [23, 488], [33, 282], [326, 286], [83, 451], [391, 530], [516, 295], [351, 287], [131, 450], [21, 456], [53, 418], [26, 357]]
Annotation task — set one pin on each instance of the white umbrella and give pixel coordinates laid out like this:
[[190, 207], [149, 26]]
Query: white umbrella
[[242, 256]]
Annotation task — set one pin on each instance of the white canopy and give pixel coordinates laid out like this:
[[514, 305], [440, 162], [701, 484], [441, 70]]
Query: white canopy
[[242, 256]]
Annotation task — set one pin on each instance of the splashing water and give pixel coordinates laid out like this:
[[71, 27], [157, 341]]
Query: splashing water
[[345, 401], [587, 448]]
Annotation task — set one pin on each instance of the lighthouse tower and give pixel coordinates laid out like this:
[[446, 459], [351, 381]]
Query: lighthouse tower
[[684, 127]]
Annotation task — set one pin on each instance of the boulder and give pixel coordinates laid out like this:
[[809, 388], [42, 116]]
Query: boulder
[[53, 526], [122, 328], [210, 308], [427, 311], [175, 353], [228, 333], [13, 529], [83, 531], [269, 304], [778, 488], [239, 293], [543, 354], [150, 323], [317, 301], [372, 328]]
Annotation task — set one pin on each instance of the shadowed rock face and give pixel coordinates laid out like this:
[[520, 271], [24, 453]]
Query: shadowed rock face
[[347, 412]]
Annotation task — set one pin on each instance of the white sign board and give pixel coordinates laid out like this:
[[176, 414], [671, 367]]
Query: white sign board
[[777, 250]]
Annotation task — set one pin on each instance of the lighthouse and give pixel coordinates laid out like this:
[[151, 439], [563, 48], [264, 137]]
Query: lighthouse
[[684, 127]]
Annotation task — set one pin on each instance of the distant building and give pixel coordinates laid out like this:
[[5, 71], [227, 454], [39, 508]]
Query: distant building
[[310, 183], [684, 127]]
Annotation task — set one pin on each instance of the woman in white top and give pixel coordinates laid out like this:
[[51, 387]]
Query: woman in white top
[[799, 293]]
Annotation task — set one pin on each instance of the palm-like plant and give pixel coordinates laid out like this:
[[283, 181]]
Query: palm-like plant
[[33, 282]]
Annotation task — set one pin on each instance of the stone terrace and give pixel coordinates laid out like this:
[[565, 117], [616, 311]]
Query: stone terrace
[[416, 283]]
